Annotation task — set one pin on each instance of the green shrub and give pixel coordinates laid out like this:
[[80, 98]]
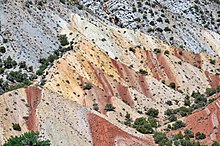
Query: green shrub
[[96, 106], [215, 143], [22, 64], [152, 112], [172, 85], [187, 101], [27, 139], [17, 76], [212, 61], [2, 70], [210, 91], [87, 86], [200, 135], [143, 72], [188, 133], [109, 107], [172, 118], [2, 49], [143, 126], [166, 52], [160, 137], [178, 124], [153, 122], [9, 63], [157, 50], [16, 127], [63, 40]]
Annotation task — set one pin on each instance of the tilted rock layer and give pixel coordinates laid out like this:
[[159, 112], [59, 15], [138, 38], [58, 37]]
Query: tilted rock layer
[[110, 65]]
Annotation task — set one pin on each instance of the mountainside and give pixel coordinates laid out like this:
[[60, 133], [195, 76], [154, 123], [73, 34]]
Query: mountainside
[[91, 73], [193, 25]]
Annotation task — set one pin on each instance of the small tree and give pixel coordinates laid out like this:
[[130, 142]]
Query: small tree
[[143, 72], [9, 63], [178, 124], [200, 135], [109, 107], [2, 49], [63, 40], [16, 126], [88, 86], [27, 139], [152, 112], [172, 85], [96, 106], [188, 134]]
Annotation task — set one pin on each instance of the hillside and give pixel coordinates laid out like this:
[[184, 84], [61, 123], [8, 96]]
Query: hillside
[[88, 73]]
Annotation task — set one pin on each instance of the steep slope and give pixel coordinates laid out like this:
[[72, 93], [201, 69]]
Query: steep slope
[[104, 76], [193, 25], [50, 114], [205, 121]]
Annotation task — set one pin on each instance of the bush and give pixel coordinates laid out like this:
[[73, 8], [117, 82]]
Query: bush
[[152, 112], [9, 63], [132, 50], [143, 126], [153, 122], [160, 137], [188, 133], [2, 49], [27, 139], [16, 127], [63, 40], [96, 106], [187, 101], [22, 64], [166, 52], [157, 51], [128, 119], [2, 70], [88, 86], [199, 100], [143, 72], [212, 61], [109, 107], [178, 124], [210, 91], [215, 143], [172, 118], [200, 135], [17, 76], [183, 111], [172, 85]]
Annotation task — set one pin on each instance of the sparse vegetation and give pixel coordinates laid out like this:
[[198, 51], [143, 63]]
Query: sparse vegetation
[[172, 85], [157, 50], [87, 86], [152, 112], [27, 139], [109, 107], [143, 72], [63, 38], [16, 126], [200, 135], [178, 124]]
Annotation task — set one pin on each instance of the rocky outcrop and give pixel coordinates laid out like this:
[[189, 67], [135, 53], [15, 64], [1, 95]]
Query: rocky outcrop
[[105, 133]]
